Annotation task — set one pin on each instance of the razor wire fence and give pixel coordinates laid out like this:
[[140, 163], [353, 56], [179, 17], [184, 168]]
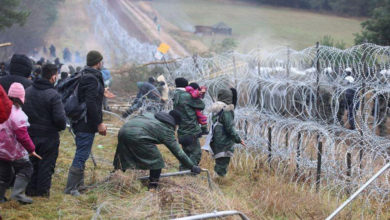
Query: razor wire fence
[[318, 116]]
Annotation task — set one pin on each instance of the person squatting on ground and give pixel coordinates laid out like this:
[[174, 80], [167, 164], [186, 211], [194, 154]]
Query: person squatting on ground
[[223, 131], [90, 91], [198, 92], [137, 141], [20, 70], [189, 130], [46, 115], [146, 90], [15, 146]]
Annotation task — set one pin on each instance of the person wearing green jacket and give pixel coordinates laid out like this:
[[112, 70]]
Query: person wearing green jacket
[[224, 133], [189, 130], [137, 141]]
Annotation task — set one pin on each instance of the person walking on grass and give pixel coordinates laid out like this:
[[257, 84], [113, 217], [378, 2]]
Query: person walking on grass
[[137, 141], [189, 130], [90, 91], [224, 135], [46, 115], [15, 146]]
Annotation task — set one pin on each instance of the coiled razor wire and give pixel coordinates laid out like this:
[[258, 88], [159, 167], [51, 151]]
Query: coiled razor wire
[[301, 98], [290, 101]]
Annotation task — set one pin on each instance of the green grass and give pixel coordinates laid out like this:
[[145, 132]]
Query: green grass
[[255, 25]]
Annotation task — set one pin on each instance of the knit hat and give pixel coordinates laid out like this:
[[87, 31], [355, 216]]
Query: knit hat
[[20, 65], [94, 57], [176, 115], [16, 91], [181, 82]]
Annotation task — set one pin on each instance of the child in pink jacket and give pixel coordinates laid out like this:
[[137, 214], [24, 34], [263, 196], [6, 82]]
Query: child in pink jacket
[[15, 147], [198, 92]]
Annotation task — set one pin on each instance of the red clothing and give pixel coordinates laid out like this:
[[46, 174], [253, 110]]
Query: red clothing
[[196, 94], [202, 119], [5, 105]]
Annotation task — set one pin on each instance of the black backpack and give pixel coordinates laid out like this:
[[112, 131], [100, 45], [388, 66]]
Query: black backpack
[[68, 89]]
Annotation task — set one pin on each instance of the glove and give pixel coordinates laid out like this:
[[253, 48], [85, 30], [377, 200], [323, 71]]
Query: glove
[[195, 170]]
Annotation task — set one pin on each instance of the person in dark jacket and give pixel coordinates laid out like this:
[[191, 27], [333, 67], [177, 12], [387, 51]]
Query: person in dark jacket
[[3, 72], [90, 91], [20, 69], [146, 90], [52, 49], [189, 130], [46, 115], [137, 141]]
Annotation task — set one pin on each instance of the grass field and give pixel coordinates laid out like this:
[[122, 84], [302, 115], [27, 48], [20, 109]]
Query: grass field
[[258, 193], [255, 25]]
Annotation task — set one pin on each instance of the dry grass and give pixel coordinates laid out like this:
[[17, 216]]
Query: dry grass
[[251, 188]]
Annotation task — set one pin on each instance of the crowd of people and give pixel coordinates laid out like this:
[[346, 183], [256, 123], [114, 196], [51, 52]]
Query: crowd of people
[[34, 110]]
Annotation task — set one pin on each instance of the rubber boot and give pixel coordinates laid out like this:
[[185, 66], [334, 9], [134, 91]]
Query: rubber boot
[[75, 178], [3, 189], [153, 183], [154, 178], [20, 185]]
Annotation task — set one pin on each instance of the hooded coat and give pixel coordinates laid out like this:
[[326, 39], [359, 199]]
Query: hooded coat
[[20, 70], [224, 133], [137, 141], [186, 105]]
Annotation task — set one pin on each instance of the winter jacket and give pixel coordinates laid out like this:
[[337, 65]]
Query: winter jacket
[[5, 105], [186, 105], [15, 142], [44, 109], [6, 81], [224, 133], [137, 141], [91, 91], [145, 88]]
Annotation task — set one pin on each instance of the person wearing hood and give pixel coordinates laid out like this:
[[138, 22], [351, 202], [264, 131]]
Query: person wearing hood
[[20, 69], [189, 130], [46, 115], [91, 92], [137, 140], [223, 131], [146, 90]]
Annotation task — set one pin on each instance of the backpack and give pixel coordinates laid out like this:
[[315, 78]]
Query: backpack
[[68, 90]]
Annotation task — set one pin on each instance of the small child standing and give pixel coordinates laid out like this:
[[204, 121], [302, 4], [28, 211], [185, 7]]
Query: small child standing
[[198, 92], [15, 147]]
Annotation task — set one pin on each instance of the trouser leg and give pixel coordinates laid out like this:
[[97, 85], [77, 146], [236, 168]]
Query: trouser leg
[[6, 175], [23, 170], [194, 152], [84, 143], [47, 148]]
